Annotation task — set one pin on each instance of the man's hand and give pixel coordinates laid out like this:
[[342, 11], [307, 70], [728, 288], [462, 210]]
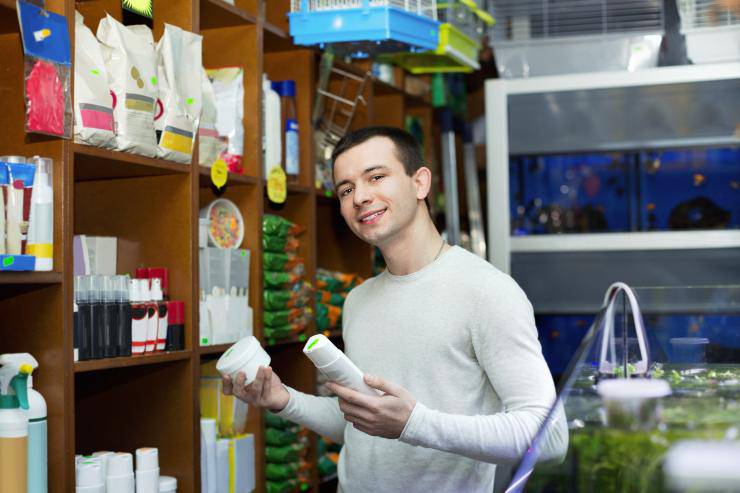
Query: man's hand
[[266, 391], [382, 416]]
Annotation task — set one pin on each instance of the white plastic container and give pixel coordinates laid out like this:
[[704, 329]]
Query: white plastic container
[[700, 466], [167, 484], [120, 477], [89, 474], [632, 403], [203, 223], [234, 240], [103, 456], [147, 470], [335, 365], [246, 355]]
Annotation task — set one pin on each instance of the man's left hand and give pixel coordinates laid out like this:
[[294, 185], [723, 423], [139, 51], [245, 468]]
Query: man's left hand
[[382, 416]]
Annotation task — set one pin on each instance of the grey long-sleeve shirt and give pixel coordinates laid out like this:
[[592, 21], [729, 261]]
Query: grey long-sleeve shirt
[[460, 336]]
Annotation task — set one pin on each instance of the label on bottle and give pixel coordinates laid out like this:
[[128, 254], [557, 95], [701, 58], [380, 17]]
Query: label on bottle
[[277, 189], [291, 147]]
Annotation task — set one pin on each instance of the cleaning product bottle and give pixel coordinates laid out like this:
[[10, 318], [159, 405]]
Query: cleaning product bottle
[[162, 307], [138, 319], [289, 125], [152, 316], [123, 332], [41, 220], [38, 467], [84, 330], [110, 317], [13, 424], [95, 298], [272, 144]]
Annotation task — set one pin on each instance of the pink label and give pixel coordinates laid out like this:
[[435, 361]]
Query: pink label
[[97, 119]]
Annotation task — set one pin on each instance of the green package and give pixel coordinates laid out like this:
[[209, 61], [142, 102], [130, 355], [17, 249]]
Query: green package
[[326, 466], [276, 318], [288, 453], [278, 438], [281, 471], [273, 225], [286, 486], [276, 244], [278, 280], [278, 332], [277, 299], [276, 261], [273, 421]]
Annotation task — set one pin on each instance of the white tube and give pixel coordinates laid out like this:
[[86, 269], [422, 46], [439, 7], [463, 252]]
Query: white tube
[[335, 365], [41, 221]]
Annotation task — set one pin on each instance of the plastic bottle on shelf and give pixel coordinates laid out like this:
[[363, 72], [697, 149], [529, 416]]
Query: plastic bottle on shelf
[[110, 317], [162, 318], [123, 317], [152, 315], [289, 128], [38, 462], [272, 140], [13, 424], [139, 322], [95, 298]]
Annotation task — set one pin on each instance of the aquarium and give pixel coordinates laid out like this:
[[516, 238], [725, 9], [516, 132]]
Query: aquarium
[[689, 394], [662, 190]]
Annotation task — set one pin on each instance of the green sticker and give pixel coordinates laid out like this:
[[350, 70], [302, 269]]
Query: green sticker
[[312, 344], [95, 71], [302, 337], [154, 81], [189, 100], [304, 487], [204, 341], [244, 253], [328, 193], [8, 261]]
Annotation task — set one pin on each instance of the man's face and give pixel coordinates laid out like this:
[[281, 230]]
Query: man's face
[[377, 198]]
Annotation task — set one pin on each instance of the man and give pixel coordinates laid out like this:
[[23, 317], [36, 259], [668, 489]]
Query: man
[[448, 339]]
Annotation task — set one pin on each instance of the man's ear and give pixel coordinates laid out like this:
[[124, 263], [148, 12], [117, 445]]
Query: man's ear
[[423, 182]]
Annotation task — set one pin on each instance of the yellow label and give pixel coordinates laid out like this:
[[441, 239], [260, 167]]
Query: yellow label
[[176, 142], [219, 173], [41, 250], [277, 189]]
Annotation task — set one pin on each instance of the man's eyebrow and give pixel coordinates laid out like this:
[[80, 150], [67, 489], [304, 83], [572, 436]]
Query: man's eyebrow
[[367, 171]]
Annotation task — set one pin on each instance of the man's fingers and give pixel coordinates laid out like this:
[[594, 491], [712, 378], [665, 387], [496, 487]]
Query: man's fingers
[[228, 385], [354, 397], [384, 385], [353, 410]]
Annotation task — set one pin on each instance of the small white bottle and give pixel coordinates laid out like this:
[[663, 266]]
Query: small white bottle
[[139, 319], [147, 470], [89, 473], [152, 319], [158, 298], [120, 477], [335, 365]]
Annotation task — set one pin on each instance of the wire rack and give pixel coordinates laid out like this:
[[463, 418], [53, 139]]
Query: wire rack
[[700, 14], [519, 20], [425, 8]]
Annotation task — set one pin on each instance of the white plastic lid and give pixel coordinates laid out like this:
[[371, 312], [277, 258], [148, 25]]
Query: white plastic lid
[[239, 355], [133, 289], [167, 484], [157, 289], [147, 459], [144, 292], [703, 466], [89, 472], [632, 388], [320, 350], [120, 464], [689, 341]]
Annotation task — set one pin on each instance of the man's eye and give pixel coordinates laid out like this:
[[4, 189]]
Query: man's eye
[[345, 192], [377, 177]]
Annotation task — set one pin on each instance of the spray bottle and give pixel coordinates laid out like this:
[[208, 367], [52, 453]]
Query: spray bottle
[[37, 428], [123, 317], [138, 319], [152, 316], [162, 311], [110, 318], [13, 424]]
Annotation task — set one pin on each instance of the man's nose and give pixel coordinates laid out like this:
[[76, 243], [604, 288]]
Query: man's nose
[[362, 196]]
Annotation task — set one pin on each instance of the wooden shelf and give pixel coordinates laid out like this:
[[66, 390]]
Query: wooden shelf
[[234, 178], [215, 349], [126, 362], [217, 13], [299, 189], [294, 339], [275, 39], [30, 278], [92, 163]]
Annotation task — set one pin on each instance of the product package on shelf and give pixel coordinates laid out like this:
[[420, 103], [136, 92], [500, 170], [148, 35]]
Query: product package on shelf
[[93, 102], [210, 145], [115, 472], [328, 452], [287, 468], [227, 451], [286, 295], [131, 63], [332, 291], [228, 87], [26, 213], [179, 65], [48, 63]]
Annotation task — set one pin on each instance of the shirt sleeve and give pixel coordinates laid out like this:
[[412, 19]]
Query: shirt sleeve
[[319, 414], [505, 344]]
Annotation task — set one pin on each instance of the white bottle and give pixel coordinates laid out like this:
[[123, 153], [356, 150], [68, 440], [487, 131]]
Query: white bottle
[[152, 320], [38, 465], [335, 365], [139, 319], [162, 307], [41, 221], [272, 145], [89, 472], [147, 470], [120, 478]]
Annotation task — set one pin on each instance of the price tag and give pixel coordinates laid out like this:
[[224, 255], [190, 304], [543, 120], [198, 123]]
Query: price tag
[[277, 188], [219, 173]]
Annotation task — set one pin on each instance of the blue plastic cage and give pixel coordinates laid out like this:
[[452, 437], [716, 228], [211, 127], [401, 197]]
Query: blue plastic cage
[[373, 23]]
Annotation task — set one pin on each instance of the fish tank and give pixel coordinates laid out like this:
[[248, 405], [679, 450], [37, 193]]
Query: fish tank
[[650, 402], [640, 190]]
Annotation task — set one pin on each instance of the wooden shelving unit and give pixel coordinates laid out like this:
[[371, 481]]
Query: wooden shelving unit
[[153, 400]]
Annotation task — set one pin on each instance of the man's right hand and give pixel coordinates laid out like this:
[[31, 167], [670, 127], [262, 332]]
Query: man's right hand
[[266, 391]]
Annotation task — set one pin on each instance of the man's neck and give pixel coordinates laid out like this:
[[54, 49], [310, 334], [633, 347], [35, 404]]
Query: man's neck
[[415, 248]]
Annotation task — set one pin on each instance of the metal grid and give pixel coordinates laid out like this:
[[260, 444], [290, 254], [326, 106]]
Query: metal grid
[[425, 8], [697, 14], [521, 20]]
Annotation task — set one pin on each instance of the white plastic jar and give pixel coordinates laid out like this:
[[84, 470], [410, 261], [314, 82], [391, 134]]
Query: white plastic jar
[[246, 355]]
